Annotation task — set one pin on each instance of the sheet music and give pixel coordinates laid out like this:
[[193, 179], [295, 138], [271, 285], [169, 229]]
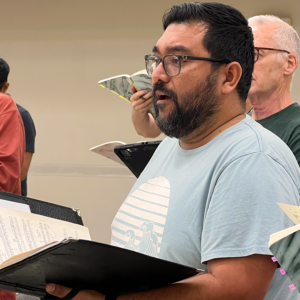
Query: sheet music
[[22, 231], [292, 211]]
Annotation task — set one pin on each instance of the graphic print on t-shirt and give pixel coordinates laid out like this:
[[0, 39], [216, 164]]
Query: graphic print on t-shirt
[[139, 223]]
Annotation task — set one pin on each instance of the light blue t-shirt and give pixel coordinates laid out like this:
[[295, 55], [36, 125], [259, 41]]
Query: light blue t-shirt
[[216, 201]]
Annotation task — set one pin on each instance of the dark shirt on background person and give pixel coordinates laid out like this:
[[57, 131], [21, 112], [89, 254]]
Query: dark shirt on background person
[[286, 125], [30, 134], [28, 126]]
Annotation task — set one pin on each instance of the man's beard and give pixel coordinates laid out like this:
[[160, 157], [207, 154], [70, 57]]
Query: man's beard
[[195, 110]]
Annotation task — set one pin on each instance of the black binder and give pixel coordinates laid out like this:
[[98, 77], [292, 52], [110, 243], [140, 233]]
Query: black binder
[[85, 264], [45, 208], [91, 265], [136, 156]]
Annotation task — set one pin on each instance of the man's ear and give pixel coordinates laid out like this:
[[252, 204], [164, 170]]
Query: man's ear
[[291, 64], [232, 74], [5, 87]]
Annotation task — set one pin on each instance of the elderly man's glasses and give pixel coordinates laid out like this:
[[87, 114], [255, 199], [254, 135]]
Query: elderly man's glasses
[[257, 49], [172, 63]]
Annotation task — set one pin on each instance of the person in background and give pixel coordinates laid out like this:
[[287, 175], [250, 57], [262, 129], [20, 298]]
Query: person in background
[[12, 148], [30, 132], [208, 197], [12, 143], [277, 50]]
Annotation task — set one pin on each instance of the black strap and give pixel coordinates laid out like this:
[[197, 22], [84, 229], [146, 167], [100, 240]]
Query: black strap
[[71, 295], [111, 297]]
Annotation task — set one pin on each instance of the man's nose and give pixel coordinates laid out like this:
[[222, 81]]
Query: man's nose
[[159, 74]]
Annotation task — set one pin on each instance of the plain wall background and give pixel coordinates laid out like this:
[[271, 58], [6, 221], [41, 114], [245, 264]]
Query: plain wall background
[[58, 51]]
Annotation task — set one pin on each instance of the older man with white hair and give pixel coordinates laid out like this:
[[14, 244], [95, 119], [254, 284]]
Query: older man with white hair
[[277, 50]]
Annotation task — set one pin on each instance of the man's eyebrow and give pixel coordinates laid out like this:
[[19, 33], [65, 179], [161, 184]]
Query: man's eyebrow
[[173, 49], [180, 48]]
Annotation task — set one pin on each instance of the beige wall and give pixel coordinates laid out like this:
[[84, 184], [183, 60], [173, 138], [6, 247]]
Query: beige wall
[[57, 51]]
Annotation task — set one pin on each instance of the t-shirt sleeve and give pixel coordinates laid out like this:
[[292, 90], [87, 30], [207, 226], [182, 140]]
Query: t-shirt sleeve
[[243, 211], [294, 143], [30, 132]]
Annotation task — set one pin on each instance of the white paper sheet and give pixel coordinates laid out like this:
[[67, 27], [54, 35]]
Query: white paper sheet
[[14, 205], [22, 231], [292, 211]]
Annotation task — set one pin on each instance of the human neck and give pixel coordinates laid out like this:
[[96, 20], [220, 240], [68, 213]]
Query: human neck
[[265, 106], [211, 130]]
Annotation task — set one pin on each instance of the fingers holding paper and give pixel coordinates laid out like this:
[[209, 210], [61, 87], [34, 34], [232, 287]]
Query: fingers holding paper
[[142, 120], [141, 101], [62, 291]]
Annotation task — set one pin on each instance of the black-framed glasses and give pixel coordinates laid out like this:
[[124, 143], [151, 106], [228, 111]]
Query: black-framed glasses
[[257, 49], [172, 62]]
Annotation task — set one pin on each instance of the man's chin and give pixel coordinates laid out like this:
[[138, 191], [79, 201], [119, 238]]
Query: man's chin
[[160, 107], [159, 119], [164, 109], [162, 115]]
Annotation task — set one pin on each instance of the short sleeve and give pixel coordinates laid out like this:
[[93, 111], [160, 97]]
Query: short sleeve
[[30, 132], [243, 211]]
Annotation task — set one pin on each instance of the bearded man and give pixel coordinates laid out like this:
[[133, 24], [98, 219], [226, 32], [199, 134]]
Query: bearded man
[[212, 186]]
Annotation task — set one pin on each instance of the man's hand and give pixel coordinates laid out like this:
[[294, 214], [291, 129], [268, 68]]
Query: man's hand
[[141, 101], [61, 291], [143, 121]]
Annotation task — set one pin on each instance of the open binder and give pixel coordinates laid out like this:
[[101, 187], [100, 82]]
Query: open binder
[[85, 264], [45, 209], [90, 265]]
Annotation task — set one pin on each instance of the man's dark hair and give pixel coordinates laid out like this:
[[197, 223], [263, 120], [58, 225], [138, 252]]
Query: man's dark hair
[[4, 71], [228, 36]]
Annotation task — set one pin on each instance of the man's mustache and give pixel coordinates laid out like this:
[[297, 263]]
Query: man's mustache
[[159, 86]]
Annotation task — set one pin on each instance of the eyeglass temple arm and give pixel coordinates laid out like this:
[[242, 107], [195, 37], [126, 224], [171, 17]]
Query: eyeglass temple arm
[[263, 48], [205, 58]]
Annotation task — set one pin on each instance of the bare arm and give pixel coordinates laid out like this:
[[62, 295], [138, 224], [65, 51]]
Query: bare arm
[[26, 164], [143, 121], [243, 278]]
